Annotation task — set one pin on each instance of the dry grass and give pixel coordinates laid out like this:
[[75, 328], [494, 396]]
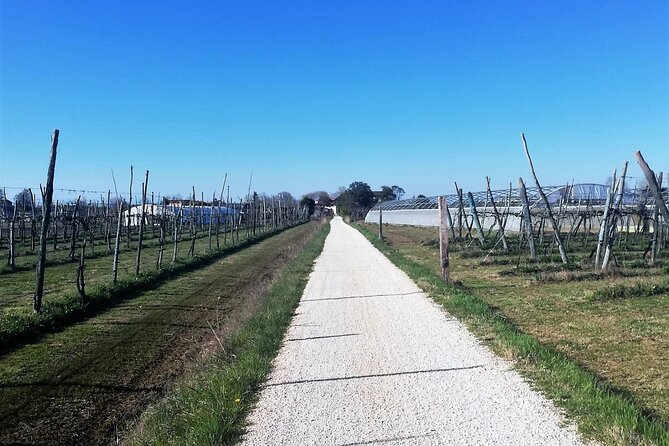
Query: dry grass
[[623, 341]]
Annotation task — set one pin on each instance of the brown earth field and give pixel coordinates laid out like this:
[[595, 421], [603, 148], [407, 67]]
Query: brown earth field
[[89, 383]]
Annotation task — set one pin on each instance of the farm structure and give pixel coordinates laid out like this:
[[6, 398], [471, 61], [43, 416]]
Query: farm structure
[[584, 203]]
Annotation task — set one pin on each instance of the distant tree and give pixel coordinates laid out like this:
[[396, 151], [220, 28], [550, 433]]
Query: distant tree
[[362, 194], [286, 198], [398, 191], [421, 197], [309, 203], [23, 199], [356, 200], [386, 194], [324, 199]]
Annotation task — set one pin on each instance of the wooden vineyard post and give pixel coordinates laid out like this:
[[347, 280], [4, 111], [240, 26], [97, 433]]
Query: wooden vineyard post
[[603, 226], [227, 217], [161, 235], [11, 254], [75, 228], [33, 220], [141, 223], [178, 219], [556, 230], [55, 227], [527, 219], [450, 221], [211, 217], [81, 282], [497, 217], [475, 215], [108, 221], [652, 184], [458, 192], [380, 222], [193, 227], [218, 213], [129, 235], [657, 228], [46, 216], [612, 226], [443, 238], [117, 240]]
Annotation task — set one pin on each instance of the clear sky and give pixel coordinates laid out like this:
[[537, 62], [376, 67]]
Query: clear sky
[[313, 95]]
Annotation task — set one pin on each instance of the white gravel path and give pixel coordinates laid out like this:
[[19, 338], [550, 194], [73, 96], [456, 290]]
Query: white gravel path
[[370, 359]]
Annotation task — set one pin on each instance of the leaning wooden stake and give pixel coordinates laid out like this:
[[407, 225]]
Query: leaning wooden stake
[[475, 215], [556, 230], [652, 184], [443, 238], [498, 219], [527, 218], [46, 216]]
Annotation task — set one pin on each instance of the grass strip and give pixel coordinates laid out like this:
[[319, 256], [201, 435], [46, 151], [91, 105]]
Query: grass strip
[[629, 291], [210, 406], [17, 329], [602, 413]]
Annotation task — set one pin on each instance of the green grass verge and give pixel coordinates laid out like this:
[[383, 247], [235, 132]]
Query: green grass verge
[[210, 406], [17, 328], [602, 413]]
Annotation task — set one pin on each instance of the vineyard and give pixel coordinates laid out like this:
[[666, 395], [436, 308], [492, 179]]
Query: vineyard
[[97, 252]]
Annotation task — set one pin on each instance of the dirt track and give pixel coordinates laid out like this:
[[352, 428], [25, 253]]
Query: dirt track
[[369, 359], [84, 385]]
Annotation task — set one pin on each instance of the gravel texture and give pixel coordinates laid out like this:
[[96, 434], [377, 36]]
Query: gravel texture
[[370, 359]]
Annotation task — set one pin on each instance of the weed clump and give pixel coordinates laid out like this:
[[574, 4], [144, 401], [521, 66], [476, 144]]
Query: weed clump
[[640, 289]]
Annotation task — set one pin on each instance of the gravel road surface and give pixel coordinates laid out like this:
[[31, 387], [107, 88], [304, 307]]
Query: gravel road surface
[[370, 359]]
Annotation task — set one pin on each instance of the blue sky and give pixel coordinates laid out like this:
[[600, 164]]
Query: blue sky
[[314, 95]]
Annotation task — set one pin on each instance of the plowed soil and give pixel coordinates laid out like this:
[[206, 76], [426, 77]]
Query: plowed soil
[[88, 383]]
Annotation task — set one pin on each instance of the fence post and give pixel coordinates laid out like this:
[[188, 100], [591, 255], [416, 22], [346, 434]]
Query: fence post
[[380, 222], [46, 215], [443, 237]]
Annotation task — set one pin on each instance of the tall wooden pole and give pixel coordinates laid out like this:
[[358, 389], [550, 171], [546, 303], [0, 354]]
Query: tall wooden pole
[[527, 218], [380, 222], [556, 230], [46, 216], [443, 238]]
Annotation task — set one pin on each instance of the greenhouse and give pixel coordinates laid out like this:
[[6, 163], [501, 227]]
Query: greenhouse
[[568, 201]]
